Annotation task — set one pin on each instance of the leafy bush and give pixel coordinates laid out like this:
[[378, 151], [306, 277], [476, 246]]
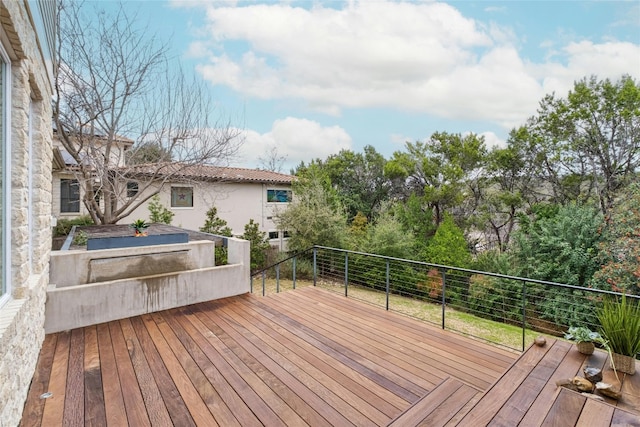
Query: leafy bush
[[215, 225], [158, 213], [304, 268], [259, 244], [560, 245], [64, 226]]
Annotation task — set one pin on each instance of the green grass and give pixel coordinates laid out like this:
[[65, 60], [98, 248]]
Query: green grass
[[509, 336]]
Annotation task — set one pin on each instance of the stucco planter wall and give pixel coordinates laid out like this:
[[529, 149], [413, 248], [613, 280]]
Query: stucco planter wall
[[90, 287]]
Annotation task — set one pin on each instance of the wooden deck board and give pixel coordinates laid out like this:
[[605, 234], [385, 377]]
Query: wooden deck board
[[32, 414], [54, 405], [94, 412]]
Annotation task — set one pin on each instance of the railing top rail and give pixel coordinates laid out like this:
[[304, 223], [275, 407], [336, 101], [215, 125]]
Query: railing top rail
[[466, 270]]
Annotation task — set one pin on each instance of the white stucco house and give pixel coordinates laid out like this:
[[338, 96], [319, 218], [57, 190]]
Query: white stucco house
[[27, 46], [188, 191]]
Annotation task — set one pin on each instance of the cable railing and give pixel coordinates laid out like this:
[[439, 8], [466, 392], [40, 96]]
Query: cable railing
[[504, 310]]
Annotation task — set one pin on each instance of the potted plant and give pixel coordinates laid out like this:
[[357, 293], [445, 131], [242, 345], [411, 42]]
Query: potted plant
[[584, 338], [140, 225], [620, 327]]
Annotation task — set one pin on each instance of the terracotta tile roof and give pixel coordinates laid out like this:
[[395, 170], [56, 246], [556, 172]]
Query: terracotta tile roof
[[209, 173]]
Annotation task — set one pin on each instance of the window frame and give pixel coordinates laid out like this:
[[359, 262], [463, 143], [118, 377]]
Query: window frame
[[5, 185], [275, 198], [64, 205], [133, 187], [178, 206]]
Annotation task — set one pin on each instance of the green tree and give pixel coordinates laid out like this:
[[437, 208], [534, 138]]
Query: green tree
[[587, 145], [359, 180], [158, 212], [436, 170], [387, 237], [215, 225], [259, 244], [560, 244], [315, 217], [448, 246], [416, 219], [506, 189], [619, 255]]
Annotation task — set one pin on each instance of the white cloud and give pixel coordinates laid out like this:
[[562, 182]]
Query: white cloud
[[297, 140], [492, 140], [421, 57]]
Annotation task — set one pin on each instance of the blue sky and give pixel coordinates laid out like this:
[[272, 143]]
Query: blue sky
[[311, 78]]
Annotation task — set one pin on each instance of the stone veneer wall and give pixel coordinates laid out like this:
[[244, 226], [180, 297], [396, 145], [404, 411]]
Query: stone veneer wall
[[22, 318]]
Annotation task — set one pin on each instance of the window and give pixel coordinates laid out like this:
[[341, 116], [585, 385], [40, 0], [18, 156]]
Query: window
[[181, 197], [132, 189], [273, 235], [69, 195], [5, 177], [279, 196], [286, 234]]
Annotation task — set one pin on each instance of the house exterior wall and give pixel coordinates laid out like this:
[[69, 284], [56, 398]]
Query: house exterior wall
[[27, 221], [237, 203]]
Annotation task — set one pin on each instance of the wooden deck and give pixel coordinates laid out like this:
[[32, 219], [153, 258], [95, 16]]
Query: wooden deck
[[305, 357]]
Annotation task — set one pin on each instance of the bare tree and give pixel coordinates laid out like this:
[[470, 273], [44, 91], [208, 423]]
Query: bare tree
[[118, 90], [271, 160]]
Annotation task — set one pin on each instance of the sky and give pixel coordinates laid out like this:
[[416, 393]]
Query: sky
[[314, 77]]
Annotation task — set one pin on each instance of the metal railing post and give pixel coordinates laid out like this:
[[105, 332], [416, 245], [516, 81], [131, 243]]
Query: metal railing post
[[294, 273], [278, 278], [251, 284], [315, 272], [444, 296], [524, 313], [346, 273], [264, 276], [387, 285]]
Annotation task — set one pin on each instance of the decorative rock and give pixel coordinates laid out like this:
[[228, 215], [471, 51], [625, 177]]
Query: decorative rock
[[607, 390], [583, 384], [593, 396], [593, 374], [540, 341], [567, 383]]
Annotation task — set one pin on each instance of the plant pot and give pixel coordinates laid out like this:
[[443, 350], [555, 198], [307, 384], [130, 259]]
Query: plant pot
[[585, 347], [625, 364]]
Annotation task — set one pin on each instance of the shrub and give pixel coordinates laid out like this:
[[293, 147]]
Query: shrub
[[259, 244], [63, 227], [158, 212]]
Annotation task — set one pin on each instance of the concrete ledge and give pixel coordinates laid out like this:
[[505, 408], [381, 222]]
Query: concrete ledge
[[77, 306], [98, 243], [72, 268]]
